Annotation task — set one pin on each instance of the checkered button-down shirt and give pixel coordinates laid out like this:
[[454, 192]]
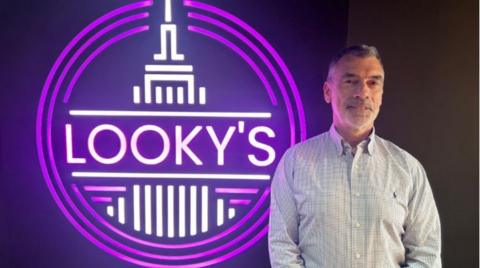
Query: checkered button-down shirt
[[332, 207]]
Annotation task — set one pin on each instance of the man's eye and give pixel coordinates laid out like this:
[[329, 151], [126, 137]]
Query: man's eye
[[374, 83]]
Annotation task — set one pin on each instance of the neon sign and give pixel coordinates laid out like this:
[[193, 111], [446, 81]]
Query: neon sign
[[147, 165]]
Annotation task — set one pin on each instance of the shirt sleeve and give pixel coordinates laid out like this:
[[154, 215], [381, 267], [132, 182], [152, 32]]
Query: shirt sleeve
[[422, 238], [283, 227]]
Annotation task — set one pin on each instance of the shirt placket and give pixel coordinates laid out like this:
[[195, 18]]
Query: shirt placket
[[357, 209]]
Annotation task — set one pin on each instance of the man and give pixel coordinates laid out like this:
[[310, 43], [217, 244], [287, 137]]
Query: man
[[348, 198]]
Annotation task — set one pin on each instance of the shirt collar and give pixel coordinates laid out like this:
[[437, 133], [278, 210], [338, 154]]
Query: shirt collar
[[341, 145]]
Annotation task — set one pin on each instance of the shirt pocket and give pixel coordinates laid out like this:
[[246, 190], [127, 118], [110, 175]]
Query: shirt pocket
[[388, 208]]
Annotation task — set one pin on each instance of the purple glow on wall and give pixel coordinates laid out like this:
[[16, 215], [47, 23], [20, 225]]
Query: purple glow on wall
[[137, 146]]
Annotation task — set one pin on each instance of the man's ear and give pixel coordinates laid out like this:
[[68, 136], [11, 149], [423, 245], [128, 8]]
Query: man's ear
[[327, 92]]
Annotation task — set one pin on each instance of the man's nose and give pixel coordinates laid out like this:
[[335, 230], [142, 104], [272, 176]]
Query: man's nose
[[362, 90]]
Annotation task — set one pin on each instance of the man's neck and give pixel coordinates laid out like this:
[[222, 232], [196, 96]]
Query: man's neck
[[353, 136]]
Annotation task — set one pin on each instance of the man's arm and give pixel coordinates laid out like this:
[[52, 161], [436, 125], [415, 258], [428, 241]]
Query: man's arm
[[422, 238], [283, 228]]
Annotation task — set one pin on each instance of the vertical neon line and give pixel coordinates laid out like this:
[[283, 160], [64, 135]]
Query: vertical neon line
[[169, 95], [173, 42], [158, 94], [168, 10], [191, 93], [147, 92], [181, 211], [231, 213], [68, 137], [159, 210], [193, 210], [171, 222], [121, 210], [202, 96], [136, 207], [148, 209], [204, 209], [136, 94], [110, 211], [219, 212], [180, 95]]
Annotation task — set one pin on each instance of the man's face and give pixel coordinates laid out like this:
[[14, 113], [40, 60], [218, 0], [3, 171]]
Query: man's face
[[355, 91]]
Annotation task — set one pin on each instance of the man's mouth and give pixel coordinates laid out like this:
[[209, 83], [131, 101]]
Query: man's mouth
[[359, 107]]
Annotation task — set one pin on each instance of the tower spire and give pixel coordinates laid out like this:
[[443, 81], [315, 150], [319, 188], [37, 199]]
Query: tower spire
[[168, 11]]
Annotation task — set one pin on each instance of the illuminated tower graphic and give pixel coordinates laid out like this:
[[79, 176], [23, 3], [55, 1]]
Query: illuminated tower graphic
[[167, 81]]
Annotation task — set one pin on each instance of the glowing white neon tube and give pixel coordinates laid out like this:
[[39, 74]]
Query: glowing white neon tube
[[168, 10], [82, 174], [158, 94], [148, 209], [231, 213], [204, 209], [136, 94], [169, 95], [110, 211], [173, 42], [202, 95], [169, 68], [164, 29], [171, 222], [159, 210], [180, 95], [136, 207], [70, 158], [91, 144], [136, 152], [170, 114], [181, 211], [219, 212], [193, 210], [121, 210]]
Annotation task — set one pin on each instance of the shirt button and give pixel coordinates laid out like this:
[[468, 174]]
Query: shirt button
[[357, 225], [357, 255]]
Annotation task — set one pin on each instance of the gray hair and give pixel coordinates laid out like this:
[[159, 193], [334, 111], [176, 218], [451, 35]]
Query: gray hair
[[361, 51]]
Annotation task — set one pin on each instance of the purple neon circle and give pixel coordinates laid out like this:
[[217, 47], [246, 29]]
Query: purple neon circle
[[76, 76], [55, 194], [72, 205], [83, 66], [59, 181]]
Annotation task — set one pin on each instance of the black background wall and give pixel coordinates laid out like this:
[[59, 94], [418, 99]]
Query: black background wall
[[430, 53], [430, 108]]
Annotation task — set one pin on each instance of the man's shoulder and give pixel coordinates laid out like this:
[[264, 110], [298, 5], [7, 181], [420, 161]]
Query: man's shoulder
[[395, 152]]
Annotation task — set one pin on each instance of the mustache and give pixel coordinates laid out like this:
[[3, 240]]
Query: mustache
[[359, 103]]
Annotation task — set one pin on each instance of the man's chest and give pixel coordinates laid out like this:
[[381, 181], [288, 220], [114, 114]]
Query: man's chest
[[360, 192]]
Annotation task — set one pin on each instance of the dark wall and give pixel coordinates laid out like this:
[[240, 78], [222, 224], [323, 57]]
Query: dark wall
[[430, 53]]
